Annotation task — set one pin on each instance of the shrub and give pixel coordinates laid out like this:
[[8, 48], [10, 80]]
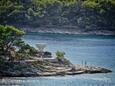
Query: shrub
[[60, 55], [28, 50]]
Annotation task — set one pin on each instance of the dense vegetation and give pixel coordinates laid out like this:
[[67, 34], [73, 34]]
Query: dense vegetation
[[12, 47], [86, 14]]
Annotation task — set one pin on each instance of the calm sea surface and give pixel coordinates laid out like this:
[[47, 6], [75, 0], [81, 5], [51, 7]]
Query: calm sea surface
[[96, 50]]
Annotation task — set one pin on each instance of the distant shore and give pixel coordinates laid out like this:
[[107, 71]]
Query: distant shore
[[68, 30]]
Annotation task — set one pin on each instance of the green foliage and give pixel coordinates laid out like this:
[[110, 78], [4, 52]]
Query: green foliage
[[29, 8], [10, 40], [69, 2], [60, 55], [61, 59], [9, 36], [90, 4], [28, 50], [100, 5], [38, 13]]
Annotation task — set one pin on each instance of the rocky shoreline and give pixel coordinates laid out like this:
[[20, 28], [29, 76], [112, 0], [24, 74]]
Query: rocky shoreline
[[40, 68], [68, 30]]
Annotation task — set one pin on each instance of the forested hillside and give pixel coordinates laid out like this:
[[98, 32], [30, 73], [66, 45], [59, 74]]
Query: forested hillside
[[86, 15]]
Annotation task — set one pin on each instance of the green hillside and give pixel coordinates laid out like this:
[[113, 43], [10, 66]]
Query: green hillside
[[85, 14]]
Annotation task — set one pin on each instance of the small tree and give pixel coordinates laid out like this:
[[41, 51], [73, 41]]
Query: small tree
[[60, 55], [10, 37]]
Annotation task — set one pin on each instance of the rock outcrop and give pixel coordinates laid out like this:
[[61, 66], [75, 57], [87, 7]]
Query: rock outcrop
[[45, 68]]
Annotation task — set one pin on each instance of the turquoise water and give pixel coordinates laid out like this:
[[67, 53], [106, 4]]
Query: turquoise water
[[96, 50]]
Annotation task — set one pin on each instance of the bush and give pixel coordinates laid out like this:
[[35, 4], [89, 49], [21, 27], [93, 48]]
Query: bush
[[60, 55], [28, 50]]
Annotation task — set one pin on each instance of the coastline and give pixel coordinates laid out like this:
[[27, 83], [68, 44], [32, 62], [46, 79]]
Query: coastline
[[70, 31], [38, 68]]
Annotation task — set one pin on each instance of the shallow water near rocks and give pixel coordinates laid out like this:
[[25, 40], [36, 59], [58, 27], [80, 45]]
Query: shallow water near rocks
[[95, 50]]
